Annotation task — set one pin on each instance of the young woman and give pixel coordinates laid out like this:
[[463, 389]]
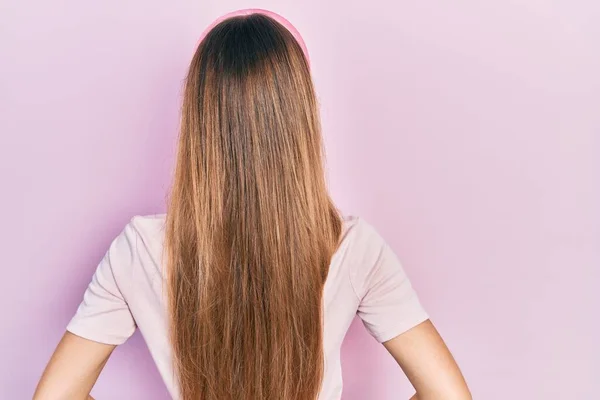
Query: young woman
[[245, 289]]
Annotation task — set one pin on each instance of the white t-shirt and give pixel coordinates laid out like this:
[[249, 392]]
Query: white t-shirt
[[127, 292]]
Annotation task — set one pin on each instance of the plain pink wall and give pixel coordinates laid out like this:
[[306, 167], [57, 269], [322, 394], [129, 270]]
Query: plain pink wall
[[467, 133]]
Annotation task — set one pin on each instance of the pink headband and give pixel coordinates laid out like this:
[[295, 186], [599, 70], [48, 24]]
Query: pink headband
[[271, 14]]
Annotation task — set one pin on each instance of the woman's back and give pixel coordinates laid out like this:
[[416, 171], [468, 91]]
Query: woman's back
[[128, 291]]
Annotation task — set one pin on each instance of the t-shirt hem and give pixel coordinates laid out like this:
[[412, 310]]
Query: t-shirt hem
[[104, 339], [405, 326]]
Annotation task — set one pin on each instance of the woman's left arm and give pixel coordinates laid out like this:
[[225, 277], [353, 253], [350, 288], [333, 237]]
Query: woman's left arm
[[428, 364], [73, 369]]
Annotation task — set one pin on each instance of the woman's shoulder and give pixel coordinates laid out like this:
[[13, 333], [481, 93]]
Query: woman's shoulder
[[149, 230], [360, 232], [149, 221], [361, 245], [150, 224]]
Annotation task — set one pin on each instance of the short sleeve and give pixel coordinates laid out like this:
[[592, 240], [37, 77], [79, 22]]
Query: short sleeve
[[388, 306], [103, 315]]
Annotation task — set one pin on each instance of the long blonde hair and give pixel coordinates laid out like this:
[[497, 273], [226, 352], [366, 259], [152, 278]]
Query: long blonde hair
[[251, 228]]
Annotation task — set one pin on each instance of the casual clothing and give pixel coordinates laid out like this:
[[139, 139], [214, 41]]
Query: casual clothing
[[127, 292]]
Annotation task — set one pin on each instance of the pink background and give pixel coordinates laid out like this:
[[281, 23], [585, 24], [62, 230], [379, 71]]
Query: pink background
[[466, 132]]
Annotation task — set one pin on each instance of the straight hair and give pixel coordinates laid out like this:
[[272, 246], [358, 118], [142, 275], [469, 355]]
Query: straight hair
[[251, 228]]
